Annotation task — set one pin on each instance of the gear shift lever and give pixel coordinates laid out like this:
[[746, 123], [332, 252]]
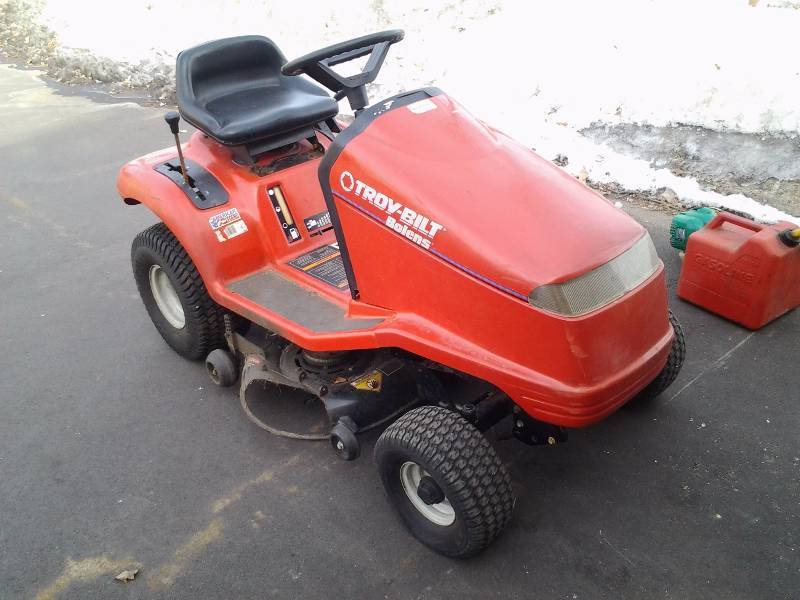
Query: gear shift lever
[[172, 118]]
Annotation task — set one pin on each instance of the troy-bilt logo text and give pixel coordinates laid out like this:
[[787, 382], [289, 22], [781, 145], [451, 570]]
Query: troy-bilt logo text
[[407, 222]]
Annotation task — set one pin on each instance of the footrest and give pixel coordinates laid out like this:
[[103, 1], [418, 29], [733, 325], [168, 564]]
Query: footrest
[[277, 293]]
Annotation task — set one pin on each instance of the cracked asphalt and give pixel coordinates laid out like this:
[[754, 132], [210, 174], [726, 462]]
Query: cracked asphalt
[[117, 454]]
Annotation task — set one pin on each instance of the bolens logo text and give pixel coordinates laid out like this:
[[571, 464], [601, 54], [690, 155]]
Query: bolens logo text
[[407, 222]]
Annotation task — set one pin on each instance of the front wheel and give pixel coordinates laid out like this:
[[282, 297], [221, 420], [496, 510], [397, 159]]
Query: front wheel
[[174, 294], [677, 354], [445, 481]]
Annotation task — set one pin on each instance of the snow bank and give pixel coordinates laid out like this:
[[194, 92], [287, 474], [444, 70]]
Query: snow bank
[[539, 70], [714, 63]]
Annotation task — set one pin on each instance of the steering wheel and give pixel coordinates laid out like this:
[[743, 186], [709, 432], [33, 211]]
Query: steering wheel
[[317, 65]]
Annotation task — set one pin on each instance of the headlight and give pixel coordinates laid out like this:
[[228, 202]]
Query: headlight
[[602, 285]]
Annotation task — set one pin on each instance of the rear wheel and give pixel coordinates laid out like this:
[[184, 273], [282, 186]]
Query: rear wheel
[[445, 480], [674, 363], [174, 294]]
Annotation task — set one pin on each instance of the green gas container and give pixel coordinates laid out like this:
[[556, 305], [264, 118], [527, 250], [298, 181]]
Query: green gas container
[[686, 223]]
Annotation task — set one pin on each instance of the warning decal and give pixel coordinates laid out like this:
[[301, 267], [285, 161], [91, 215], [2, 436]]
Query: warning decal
[[324, 263], [224, 218], [320, 221], [227, 224]]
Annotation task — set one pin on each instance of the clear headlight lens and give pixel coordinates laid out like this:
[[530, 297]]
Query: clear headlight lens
[[602, 285]]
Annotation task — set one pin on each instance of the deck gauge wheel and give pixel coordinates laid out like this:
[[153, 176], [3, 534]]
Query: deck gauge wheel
[[222, 368], [344, 441]]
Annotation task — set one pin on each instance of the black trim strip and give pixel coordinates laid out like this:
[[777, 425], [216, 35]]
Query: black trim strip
[[362, 121]]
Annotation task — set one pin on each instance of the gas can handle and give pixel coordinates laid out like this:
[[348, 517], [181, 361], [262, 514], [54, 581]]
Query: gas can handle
[[726, 217]]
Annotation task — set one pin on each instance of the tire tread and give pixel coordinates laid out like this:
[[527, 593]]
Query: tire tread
[[470, 468], [669, 373], [204, 317]]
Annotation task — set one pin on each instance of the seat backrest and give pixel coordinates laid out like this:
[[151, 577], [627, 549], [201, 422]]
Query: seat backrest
[[233, 91], [204, 72]]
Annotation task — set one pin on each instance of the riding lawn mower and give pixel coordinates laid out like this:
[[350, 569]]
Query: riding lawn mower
[[415, 270]]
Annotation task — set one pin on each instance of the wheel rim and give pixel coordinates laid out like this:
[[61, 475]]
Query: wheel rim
[[213, 373], [166, 297], [441, 513]]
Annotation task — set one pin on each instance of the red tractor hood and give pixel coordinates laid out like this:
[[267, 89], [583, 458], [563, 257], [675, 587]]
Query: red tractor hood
[[471, 195]]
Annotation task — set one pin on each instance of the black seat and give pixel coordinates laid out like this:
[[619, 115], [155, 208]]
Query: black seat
[[233, 90]]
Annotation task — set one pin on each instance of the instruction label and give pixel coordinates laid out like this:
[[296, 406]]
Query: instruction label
[[323, 263], [316, 222]]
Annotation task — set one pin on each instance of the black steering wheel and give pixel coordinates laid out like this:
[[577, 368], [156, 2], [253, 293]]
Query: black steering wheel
[[317, 65]]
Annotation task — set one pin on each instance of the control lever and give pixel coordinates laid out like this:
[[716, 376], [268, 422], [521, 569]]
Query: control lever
[[172, 118]]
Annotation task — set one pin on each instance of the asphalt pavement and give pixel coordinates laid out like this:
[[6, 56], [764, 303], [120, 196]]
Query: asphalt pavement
[[117, 454]]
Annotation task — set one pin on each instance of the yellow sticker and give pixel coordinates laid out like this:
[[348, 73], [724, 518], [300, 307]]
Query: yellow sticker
[[371, 382]]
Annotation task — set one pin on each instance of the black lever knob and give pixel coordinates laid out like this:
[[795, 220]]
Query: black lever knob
[[172, 118]]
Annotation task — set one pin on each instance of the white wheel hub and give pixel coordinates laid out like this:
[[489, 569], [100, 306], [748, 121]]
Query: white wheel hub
[[441, 513], [166, 297]]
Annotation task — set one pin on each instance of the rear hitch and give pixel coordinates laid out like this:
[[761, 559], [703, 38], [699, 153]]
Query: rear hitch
[[537, 433], [487, 411]]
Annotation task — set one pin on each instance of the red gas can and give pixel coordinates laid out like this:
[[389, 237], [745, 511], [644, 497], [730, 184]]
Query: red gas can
[[741, 270]]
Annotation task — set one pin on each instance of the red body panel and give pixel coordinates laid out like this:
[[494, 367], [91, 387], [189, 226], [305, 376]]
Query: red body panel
[[505, 212], [740, 270], [509, 221]]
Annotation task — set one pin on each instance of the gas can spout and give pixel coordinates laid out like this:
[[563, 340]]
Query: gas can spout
[[790, 237]]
